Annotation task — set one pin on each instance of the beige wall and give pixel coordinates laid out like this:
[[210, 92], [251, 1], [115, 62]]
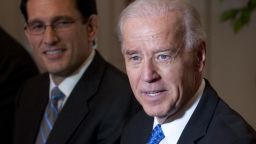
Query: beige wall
[[233, 62], [11, 20], [231, 58], [108, 43]]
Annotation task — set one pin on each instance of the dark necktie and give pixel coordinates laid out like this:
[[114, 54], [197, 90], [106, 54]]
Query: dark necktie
[[157, 135], [50, 116]]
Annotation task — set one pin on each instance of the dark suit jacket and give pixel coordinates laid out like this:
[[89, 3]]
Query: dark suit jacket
[[95, 112], [213, 122], [16, 66]]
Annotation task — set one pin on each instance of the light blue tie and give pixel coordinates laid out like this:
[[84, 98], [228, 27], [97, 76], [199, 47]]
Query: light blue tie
[[50, 116], [157, 135]]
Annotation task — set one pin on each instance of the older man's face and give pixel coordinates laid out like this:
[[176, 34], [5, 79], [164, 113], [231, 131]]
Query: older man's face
[[162, 73]]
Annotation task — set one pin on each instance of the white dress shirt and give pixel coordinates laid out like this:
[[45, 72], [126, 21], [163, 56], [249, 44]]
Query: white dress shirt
[[68, 84], [173, 129]]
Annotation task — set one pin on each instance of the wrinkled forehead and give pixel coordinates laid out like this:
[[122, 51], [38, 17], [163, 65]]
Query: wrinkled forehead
[[153, 28]]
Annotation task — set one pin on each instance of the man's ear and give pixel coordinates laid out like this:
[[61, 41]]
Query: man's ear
[[26, 33], [201, 56], [92, 27], [29, 37]]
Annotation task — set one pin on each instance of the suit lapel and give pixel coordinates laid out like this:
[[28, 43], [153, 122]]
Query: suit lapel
[[201, 118], [146, 129], [33, 108], [43, 99], [138, 129], [76, 107]]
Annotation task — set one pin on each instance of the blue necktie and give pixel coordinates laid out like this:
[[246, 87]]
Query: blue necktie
[[157, 135], [50, 116]]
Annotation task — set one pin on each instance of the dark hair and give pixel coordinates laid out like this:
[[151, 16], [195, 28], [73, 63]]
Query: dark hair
[[85, 7]]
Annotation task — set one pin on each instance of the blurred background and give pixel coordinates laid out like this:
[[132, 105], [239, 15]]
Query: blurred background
[[231, 56]]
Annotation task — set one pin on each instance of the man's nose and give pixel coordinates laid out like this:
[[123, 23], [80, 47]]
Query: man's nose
[[149, 72], [50, 36]]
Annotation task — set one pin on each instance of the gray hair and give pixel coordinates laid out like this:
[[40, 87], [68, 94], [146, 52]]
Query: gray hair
[[194, 33]]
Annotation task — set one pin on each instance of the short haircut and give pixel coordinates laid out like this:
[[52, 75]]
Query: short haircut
[[194, 33], [85, 7]]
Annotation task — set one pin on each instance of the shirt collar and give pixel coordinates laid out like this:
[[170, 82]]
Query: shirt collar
[[67, 85], [173, 129]]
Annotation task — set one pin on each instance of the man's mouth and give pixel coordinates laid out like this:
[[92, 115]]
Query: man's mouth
[[54, 51], [153, 93]]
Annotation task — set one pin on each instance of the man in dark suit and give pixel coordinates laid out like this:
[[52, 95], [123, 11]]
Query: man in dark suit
[[163, 44], [91, 99], [16, 66]]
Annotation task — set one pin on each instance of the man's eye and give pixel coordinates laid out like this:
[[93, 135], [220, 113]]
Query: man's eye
[[62, 23], [163, 57], [36, 26], [135, 59]]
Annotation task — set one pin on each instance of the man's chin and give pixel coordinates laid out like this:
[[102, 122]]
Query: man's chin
[[162, 116], [158, 114]]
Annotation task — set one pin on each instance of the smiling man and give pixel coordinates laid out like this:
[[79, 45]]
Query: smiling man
[[164, 47], [81, 99]]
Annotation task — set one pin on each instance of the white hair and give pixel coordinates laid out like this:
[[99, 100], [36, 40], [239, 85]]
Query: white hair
[[194, 33]]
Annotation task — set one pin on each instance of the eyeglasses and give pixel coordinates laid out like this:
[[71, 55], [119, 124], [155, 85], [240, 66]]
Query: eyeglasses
[[39, 27]]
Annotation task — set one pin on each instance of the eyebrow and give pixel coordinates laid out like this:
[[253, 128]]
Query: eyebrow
[[170, 49], [62, 17], [54, 19], [130, 52]]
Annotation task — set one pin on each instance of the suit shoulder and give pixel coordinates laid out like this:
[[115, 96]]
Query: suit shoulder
[[141, 117], [112, 70], [137, 129], [36, 80], [116, 77], [230, 126]]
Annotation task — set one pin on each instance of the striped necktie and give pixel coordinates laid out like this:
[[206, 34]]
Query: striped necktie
[[50, 116], [157, 135]]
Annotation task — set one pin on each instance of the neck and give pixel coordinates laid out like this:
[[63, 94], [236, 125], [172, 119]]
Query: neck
[[178, 112], [57, 79]]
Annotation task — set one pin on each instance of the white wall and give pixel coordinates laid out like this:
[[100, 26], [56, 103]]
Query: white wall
[[231, 58]]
